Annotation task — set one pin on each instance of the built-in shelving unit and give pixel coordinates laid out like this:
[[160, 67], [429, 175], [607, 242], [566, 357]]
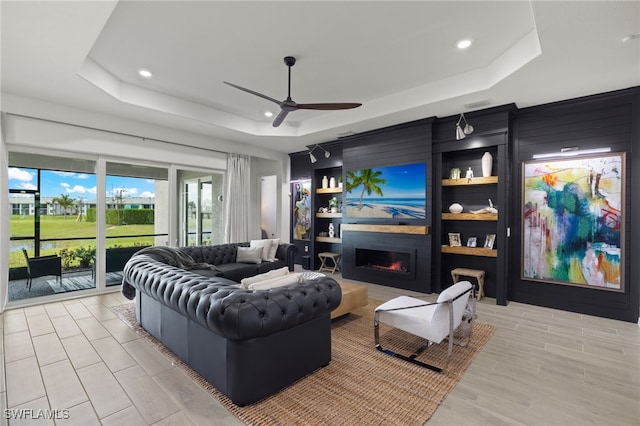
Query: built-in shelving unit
[[473, 181], [322, 220], [469, 216], [328, 215], [329, 190], [481, 235], [322, 196], [470, 251], [447, 185], [334, 240]]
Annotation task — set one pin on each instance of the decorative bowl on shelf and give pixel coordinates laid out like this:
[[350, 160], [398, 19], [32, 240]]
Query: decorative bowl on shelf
[[455, 208]]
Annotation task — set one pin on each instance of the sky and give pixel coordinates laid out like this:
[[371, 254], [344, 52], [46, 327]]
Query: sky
[[78, 185]]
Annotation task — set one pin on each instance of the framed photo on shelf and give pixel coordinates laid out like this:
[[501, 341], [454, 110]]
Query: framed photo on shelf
[[454, 239], [472, 242], [489, 241]]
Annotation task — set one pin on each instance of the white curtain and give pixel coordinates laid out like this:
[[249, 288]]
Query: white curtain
[[236, 228], [4, 224]]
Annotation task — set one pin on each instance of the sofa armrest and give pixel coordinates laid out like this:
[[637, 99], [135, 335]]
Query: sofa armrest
[[287, 253]]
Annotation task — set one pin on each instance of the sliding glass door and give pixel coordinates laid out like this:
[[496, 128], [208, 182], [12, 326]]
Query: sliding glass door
[[136, 213], [201, 208], [92, 215], [52, 242]]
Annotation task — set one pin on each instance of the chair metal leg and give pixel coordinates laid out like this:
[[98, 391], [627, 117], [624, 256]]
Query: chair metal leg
[[412, 358]]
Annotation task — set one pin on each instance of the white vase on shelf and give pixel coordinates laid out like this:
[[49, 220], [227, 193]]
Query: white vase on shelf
[[325, 182], [332, 182], [332, 231], [455, 208], [487, 164]]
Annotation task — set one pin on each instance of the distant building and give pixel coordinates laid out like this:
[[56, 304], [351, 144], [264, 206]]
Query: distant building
[[25, 206]]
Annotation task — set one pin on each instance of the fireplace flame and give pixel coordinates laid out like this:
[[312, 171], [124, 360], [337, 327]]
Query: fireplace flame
[[395, 266]]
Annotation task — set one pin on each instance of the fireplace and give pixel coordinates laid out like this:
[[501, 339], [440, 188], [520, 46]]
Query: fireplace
[[388, 258], [393, 262]]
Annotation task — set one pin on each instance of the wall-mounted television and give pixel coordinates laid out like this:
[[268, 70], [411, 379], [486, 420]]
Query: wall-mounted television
[[393, 192]]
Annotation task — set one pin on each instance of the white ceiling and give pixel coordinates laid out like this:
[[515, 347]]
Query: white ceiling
[[399, 59]]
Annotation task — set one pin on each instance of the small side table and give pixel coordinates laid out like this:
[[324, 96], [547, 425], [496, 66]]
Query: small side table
[[475, 273], [335, 258]]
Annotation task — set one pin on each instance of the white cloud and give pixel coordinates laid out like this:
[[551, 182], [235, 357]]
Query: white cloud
[[82, 176], [64, 174], [28, 186], [19, 174], [77, 189], [92, 190], [148, 194], [66, 185]]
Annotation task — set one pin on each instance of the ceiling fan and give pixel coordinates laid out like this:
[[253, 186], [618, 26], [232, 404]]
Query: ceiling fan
[[288, 105]]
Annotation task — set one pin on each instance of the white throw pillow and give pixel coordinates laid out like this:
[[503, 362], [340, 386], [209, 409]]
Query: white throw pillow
[[265, 245], [276, 282], [275, 242], [249, 255], [274, 273]]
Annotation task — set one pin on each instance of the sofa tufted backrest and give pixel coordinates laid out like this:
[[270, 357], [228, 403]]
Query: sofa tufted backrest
[[232, 312], [215, 255]]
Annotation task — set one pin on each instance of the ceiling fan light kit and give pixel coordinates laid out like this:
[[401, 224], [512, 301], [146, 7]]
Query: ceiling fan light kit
[[288, 105], [461, 132]]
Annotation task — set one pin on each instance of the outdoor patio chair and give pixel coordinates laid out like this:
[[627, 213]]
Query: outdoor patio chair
[[431, 321], [42, 266]]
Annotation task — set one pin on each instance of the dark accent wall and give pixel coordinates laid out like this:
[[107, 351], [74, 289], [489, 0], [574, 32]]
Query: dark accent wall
[[403, 144], [604, 120], [607, 120]]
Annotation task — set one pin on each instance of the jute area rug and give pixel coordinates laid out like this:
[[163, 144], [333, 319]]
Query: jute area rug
[[361, 385]]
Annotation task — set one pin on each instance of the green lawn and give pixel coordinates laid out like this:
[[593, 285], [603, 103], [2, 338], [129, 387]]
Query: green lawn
[[59, 227]]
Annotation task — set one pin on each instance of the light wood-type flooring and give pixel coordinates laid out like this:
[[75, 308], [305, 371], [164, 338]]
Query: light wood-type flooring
[[542, 367]]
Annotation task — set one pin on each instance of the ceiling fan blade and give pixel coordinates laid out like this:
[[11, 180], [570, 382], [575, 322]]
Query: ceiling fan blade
[[252, 92], [280, 118], [328, 106]]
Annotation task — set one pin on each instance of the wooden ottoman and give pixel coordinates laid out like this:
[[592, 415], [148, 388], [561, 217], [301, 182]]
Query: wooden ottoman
[[353, 296]]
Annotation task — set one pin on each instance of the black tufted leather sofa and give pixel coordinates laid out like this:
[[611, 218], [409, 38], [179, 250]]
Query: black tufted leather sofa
[[223, 256], [248, 344]]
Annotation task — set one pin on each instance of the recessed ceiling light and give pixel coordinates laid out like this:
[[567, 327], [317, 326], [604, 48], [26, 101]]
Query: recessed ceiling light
[[145, 73], [463, 44], [268, 114]]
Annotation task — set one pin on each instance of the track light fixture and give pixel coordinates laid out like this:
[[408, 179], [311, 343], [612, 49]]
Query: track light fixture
[[313, 158], [461, 132], [571, 152]]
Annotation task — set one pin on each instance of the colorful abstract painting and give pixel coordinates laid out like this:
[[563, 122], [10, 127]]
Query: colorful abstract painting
[[573, 221], [301, 192]]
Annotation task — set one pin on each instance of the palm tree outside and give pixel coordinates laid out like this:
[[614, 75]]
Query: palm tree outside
[[369, 179], [65, 202]]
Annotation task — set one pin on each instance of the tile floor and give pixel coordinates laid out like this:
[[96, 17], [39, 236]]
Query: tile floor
[[542, 367]]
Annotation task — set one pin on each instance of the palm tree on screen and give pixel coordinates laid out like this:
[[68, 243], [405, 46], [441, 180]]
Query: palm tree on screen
[[369, 179]]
